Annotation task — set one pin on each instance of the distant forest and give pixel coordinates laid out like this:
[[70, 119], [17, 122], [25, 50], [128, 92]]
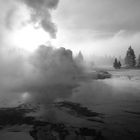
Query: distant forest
[[130, 60]]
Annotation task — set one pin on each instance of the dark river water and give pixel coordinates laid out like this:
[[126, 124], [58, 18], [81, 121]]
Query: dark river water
[[117, 100]]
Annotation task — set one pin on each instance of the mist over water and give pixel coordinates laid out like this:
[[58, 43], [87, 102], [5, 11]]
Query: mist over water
[[118, 99], [64, 91], [108, 90]]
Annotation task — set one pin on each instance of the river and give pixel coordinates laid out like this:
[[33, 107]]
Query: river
[[111, 106], [118, 98]]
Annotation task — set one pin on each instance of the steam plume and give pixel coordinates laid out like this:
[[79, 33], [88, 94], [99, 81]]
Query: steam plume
[[48, 73], [40, 13], [17, 13]]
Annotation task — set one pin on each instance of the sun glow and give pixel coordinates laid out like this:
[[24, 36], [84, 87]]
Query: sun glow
[[25, 96], [28, 38]]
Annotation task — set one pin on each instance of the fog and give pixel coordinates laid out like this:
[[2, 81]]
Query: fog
[[51, 88], [46, 74]]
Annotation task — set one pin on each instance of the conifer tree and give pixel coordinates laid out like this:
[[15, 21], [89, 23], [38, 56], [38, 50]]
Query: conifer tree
[[119, 64], [138, 62], [115, 64], [130, 59], [79, 58]]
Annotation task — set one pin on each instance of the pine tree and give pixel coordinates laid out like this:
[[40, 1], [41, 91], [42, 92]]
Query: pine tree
[[79, 58], [119, 64], [115, 64], [138, 62], [130, 59]]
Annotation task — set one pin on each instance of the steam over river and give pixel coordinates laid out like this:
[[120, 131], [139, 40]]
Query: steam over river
[[113, 108], [118, 99]]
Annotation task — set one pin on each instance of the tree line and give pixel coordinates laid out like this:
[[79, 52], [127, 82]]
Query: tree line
[[130, 60]]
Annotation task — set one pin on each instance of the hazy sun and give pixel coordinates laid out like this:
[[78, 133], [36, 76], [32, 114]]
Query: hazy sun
[[29, 38]]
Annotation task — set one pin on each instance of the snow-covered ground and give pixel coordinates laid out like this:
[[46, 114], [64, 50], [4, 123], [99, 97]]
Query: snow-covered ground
[[133, 74]]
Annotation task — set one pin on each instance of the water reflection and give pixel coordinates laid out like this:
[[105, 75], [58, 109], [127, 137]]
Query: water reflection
[[98, 109], [118, 99]]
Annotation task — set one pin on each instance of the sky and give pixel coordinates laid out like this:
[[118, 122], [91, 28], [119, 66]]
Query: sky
[[95, 27], [99, 27]]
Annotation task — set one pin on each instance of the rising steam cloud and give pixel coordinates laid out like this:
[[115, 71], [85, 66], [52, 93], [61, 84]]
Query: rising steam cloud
[[46, 74], [52, 74], [18, 13], [40, 13]]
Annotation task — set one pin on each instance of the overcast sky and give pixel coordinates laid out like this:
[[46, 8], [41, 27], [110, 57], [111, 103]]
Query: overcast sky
[[98, 26]]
